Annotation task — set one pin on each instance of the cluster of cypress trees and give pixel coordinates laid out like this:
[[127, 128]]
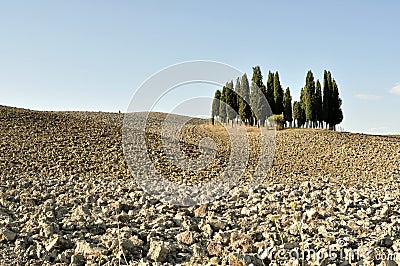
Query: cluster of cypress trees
[[313, 109], [316, 109]]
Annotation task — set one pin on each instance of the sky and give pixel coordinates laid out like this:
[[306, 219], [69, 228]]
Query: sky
[[93, 55]]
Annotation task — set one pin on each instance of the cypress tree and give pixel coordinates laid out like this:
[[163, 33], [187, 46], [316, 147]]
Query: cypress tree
[[331, 104], [244, 101], [327, 99], [215, 105], [222, 106], [330, 95], [270, 91], [302, 116], [258, 105], [253, 103], [309, 99], [337, 114], [257, 79], [231, 101], [296, 113], [318, 104], [278, 95], [302, 110], [302, 99], [287, 107], [258, 109], [237, 93], [238, 98]]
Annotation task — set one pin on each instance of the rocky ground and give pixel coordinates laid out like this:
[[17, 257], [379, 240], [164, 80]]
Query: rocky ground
[[67, 198]]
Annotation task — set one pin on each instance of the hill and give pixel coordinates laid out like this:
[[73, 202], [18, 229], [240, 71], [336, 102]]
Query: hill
[[67, 196]]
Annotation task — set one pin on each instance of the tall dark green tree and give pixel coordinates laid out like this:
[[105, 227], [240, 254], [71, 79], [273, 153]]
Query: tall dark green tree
[[337, 112], [287, 107], [278, 94], [231, 101], [302, 99], [255, 97], [237, 92], [222, 106], [318, 105], [331, 104], [258, 104], [299, 114], [215, 105], [327, 99], [302, 116], [270, 91], [244, 101], [296, 113], [309, 99], [257, 78]]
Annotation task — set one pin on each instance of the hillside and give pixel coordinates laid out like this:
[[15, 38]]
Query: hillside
[[67, 196]]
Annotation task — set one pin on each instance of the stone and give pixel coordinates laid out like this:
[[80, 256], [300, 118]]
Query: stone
[[20, 244], [131, 245], [59, 243], [245, 211], [306, 184], [214, 248], [293, 228], [198, 250], [8, 235], [385, 210], [386, 242], [186, 237], [201, 211], [158, 251], [217, 224], [235, 261], [311, 213], [215, 261], [62, 258], [86, 249], [136, 242], [207, 230], [223, 237], [290, 246], [242, 242], [77, 260], [388, 263]]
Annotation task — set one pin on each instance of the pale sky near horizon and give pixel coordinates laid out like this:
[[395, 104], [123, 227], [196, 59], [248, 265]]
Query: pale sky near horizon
[[92, 55]]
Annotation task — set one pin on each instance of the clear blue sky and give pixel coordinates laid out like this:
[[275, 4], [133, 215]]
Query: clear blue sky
[[92, 55]]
